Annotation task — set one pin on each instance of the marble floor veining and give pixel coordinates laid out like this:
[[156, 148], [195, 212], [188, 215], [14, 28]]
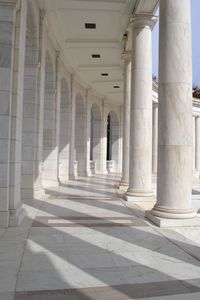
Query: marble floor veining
[[84, 243]]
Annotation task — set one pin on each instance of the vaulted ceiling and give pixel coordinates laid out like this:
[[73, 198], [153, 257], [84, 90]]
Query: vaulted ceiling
[[94, 54]]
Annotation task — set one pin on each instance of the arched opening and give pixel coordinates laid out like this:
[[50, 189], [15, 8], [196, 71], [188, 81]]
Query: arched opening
[[80, 163], [29, 106], [113, 142], [65, 110], [49, 168], [95, 140]]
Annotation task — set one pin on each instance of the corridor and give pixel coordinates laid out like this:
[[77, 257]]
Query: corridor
[[83, 242]]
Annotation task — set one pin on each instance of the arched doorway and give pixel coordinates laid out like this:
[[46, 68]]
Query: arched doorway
[[29, 106], [65, 110], [113, 142], [95, 140], [80, 163]]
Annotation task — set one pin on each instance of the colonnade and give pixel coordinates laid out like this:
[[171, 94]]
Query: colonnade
[[170, 151], [52, 126]]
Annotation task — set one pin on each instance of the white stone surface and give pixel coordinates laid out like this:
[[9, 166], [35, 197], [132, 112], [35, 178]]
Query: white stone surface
[[155, 138], [126, 122], [175, 112], [141, 109]]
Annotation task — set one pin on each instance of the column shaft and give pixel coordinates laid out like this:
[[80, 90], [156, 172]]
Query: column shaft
[[155, 138], [175, 112], [72, 171], [126, 124], [40, 107], [140, 170]]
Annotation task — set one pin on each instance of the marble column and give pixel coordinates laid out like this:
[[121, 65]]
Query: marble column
[[38, 189], [155, 138], [87, 120], [104, 138], [126, 122], [140, 170], [72, 172], [197, 139], [57, 115], [174, 182]]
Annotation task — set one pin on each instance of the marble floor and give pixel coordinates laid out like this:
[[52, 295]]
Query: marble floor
[[83, 242]]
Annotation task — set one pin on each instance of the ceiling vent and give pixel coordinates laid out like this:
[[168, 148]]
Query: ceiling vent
[[104, 74], [96, 55], [90, 25], [116, 86]]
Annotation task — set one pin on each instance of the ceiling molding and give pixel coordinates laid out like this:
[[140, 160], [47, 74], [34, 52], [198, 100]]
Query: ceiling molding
[[100, 67], [92, 43], [107, 81], [115, 92]]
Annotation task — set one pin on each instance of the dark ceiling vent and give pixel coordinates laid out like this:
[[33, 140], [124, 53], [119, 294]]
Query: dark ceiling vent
[[96, 55], [90, 25], [104, 74], [116, 86]]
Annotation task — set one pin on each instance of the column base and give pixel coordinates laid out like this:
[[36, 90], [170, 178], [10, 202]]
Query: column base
[[167, 213], [63, 180], [50, 183], [192, 221], [123, 186], [16, 216], [196, 177], [85, 174], [38, 194], [136, 196], [4, 219]]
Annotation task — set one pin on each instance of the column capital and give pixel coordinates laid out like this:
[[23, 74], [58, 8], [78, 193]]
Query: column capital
[[141, 21]]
